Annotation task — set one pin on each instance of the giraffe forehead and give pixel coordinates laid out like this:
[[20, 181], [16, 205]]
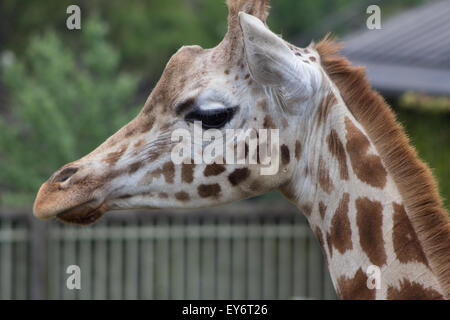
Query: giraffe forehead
[[190, 71], [187, 69]]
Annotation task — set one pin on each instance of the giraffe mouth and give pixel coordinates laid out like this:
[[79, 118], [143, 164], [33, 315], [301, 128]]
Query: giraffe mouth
[[83, 214]]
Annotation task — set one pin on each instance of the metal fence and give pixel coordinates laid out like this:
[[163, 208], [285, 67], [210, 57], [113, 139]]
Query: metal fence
[[233, 252]]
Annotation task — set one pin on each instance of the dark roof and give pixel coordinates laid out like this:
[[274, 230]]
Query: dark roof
[[410, 53]]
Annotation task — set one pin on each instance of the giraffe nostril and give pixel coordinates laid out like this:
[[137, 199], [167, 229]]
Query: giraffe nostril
[[64, 174]]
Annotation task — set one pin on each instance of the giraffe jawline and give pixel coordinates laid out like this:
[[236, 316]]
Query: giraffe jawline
[[84, 214]]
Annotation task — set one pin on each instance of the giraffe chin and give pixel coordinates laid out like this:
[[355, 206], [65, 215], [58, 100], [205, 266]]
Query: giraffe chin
[[84, 214]]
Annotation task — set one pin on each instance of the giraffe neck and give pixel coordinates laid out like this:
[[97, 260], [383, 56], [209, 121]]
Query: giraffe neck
[[356, 211]]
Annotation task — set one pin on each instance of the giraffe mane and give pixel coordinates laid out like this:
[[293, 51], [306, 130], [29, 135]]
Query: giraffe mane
[[413, 178]]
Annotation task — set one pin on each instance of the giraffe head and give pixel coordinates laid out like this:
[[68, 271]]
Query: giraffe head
[[250, 80]]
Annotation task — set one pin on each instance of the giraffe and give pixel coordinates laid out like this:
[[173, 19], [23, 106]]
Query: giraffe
[[344, 160]]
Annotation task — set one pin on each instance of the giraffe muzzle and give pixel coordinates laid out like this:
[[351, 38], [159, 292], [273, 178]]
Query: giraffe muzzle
[[72, 195], [84, 214]]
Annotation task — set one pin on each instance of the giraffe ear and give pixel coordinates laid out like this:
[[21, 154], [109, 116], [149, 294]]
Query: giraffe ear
[[270, 60], [267, 55]]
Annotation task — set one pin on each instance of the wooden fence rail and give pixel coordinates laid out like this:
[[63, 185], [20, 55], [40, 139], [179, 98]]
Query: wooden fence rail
[[234, 252]]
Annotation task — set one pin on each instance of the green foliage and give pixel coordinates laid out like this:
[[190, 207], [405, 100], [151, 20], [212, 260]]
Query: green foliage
[[308, 14], [62, 104], [430, 134], [146, 32], [151, 31]]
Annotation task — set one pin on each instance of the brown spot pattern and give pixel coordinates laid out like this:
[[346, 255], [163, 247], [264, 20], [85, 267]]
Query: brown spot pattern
[[368, 168], [208, 190], [369, 220], [134, 167], [322, 209], [213, 170], [182, 196], [268, 123], [306, 209], [325, 181], [167, 170], [163, 195], [148, 125], [238, 175], [336, 148], [285, 155], [187, 172], [325, 106], [262, 104], [412, 291], [341, 232], [298, 149], [112, 157], [355, 288], [129, 131], [406, 244]]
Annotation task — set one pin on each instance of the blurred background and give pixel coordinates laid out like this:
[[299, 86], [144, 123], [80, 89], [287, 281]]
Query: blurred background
[[64, 92]]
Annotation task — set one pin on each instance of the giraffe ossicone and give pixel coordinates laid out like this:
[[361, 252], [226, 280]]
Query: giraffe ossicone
[[343, 159]]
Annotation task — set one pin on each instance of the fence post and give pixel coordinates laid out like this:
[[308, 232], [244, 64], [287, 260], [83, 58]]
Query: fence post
[[38, 258]]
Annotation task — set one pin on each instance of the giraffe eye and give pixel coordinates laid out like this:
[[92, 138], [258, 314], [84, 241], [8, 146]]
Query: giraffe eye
[[211, 118]]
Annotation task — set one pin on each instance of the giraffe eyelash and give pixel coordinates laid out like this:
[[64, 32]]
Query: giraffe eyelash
[[215, 118]]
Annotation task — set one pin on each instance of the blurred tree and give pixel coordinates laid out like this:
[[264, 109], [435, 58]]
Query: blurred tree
[[61, 105], [148, 32]]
